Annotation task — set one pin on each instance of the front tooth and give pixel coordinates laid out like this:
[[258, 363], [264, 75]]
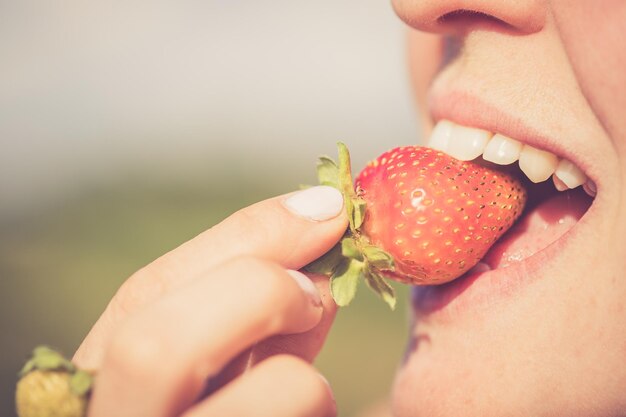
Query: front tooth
[[467, 143], [569, 174], [558, 184], [440, 136], [502, 150], [538, 165]]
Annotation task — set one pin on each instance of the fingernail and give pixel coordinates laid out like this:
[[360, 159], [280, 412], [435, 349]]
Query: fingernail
[[316, 203], [307, 286]]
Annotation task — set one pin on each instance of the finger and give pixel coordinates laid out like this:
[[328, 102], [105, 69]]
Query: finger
[[281, 386], [304, 345], [291, 230], [159, 359]]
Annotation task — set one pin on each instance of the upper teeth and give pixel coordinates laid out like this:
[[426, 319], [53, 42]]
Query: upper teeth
[[466, 143]]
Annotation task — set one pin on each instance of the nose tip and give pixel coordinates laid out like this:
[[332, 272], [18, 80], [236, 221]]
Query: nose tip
[[446, 16]]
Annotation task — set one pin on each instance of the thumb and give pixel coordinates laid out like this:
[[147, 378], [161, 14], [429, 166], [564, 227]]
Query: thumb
[[291, 230]]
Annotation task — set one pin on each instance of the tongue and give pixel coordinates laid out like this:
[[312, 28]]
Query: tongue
[[538, 228]]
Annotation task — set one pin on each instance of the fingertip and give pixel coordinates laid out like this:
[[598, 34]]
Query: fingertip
[[307, 286], [322, 282], [332, 402], [274, 229], [319, 203]]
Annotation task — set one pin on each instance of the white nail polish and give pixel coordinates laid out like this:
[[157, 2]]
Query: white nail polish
[[307, 286], [316, 203]]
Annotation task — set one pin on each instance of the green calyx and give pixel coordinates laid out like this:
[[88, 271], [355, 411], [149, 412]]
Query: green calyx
[[354, 258], [47, 359]]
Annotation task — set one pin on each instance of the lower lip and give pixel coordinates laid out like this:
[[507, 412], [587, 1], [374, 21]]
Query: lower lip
[[474, 291], [469, 293]]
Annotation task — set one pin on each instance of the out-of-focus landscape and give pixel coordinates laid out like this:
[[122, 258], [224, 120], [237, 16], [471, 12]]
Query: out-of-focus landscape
[[129, 127]]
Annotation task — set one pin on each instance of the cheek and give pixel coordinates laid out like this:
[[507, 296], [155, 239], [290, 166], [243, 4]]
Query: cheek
[[593, 37]]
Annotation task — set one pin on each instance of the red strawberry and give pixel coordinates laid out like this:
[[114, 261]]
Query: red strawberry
[[435, 215], [417, 216]]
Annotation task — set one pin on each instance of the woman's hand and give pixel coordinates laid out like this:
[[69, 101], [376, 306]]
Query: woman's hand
[[191, 322]]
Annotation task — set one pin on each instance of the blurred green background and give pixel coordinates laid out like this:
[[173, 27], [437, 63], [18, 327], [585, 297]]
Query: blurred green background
[[127, 129]]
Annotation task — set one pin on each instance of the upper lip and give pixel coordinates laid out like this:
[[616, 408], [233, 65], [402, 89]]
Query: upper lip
[[468, 110]]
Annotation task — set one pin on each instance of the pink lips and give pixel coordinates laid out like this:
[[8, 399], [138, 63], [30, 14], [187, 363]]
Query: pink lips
[[522, 249]]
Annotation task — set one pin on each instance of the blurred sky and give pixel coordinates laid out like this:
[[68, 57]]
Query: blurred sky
[[93, 90]]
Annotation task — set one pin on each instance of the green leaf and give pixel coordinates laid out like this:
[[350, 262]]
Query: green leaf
[[28, 366], [328, 172], [346, 185], [45, 359], [352, 258], [381, 287], [327, 263], [343, 283], [81, 382], [358, 211], [378, 258], [349, 249]]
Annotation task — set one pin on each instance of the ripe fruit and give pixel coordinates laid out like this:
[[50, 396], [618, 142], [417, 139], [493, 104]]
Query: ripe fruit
[[417, 216], [435, 215]]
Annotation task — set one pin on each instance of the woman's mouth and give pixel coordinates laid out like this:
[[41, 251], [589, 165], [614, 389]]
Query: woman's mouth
[[560, 193]]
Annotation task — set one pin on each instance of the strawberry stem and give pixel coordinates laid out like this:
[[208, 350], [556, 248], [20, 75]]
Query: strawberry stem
[[354, 258], [354, 204]]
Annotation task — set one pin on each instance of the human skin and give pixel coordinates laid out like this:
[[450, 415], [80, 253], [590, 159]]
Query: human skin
[[217, 327], [554, 347], [556, 344]]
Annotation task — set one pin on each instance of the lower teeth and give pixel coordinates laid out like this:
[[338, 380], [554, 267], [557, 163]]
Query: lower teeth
[[479, 267], [590, 188]]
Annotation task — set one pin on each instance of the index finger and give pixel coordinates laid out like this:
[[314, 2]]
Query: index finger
[[291, 230]]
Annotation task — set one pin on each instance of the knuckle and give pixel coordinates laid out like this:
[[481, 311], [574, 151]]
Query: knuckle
[[267, 227], [245, 216], [135, 354], [251, 218], [142, 287]]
